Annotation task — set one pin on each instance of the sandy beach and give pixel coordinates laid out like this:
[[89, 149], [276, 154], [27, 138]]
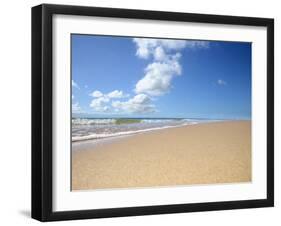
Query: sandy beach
[[218, 152]]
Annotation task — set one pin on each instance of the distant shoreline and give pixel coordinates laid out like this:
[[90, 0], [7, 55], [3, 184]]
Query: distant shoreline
[[126, 133], [95, 137]]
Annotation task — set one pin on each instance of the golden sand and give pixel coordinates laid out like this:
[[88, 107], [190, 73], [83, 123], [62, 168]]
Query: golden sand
[[195, 154]]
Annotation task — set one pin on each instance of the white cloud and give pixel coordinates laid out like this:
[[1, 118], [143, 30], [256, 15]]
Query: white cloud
[[221, 82], [197, 44], [158, 76], [98, 104], [144, 46], [76, 108], [116, 94], [74, 84], [157, 80], [165, 66], [101, 101], [159, 54], [110, 95], [140, 103], [147, 47], [172, 44], [96, 93]]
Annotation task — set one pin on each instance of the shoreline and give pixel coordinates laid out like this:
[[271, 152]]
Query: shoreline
[[89, 138], [204, 153], [126, 133], [91, 143]]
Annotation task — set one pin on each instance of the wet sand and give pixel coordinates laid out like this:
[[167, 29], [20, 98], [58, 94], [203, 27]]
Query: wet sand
[[207, 153]]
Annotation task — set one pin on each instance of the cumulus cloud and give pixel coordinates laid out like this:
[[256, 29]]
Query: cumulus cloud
[[76, 108], [117, 94], [98, 104], [158, 76], [163, 67], [101, 100], [159, 54], [74, 84], [113, 94], [221, 82], [141, 103], [165, 53], [147, 47], [197, 44], [158, 47], [96, 93]]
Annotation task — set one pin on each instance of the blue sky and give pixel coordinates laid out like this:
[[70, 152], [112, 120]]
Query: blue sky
[[140, 77]]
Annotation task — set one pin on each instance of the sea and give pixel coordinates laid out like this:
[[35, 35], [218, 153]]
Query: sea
[[99, 128]]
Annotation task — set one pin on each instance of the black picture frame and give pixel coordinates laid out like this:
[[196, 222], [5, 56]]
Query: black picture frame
[[42, 111]]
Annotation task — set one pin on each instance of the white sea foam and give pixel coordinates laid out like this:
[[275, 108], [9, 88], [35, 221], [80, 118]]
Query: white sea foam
[[97, 128], [89, 121], [85, 121], [124, 133]]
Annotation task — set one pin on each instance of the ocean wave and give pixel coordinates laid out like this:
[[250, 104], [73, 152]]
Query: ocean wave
[[84, 121], [124, 133], [118, 121]]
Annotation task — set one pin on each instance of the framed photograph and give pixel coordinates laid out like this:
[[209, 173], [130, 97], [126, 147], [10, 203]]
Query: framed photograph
[[145, 112]]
